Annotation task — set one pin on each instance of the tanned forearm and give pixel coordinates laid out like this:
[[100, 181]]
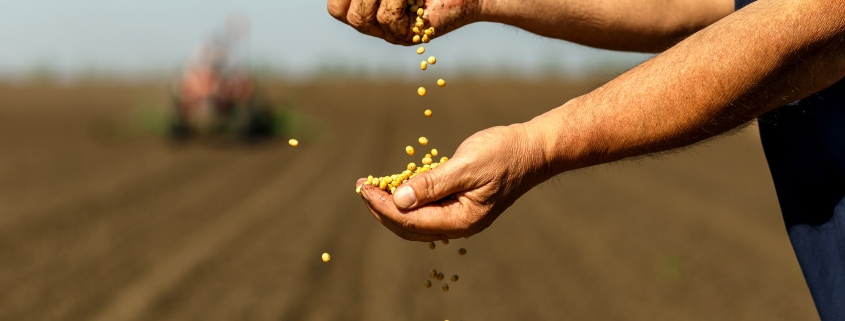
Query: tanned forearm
[[762, 57], [631, 25]]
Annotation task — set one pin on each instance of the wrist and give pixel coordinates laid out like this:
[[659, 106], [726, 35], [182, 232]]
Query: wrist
[[567, 138]]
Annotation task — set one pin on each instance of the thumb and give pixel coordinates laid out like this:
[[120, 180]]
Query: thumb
[[430, 186]]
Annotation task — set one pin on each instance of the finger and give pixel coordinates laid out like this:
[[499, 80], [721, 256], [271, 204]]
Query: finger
[[373, 193], [433, 185], [362, 17], [440, 218], [395, 21], [338, 9]]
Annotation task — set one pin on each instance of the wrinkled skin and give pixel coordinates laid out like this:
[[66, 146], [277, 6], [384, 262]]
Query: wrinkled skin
[[392, 21], [489, 171]]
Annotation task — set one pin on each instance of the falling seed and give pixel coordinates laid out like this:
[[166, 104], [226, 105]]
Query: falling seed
[[293, 142], [421, 91], [423, 141], [326, 257], [427, 283], [440, 276], [431, 245], [455, 278], [427, 113], [358, 189], [462, 251], [445, 288], [441, 82], [432, 60], [420, 50], [433, 274], [445, 242]]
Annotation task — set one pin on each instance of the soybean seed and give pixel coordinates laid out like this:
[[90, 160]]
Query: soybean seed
[[326, 257], [416, 39], [426, 161], [375, 182], [419, 24], [455, 278], [420, 50], [427, 284], [416, 30], [358, 189], [441, 82], [421, 91], [293, 142], [440, 276], [411, 2], [423, 65], [423, 141], [432, 60], [431, 245], [445, 288], [412, 167], [433, 274], [445, 242], [409, 150], [434, 152], [425, 39], [427, 113], [382, 185], [369, 179], [419, 3], [427, 31], [420, 12], [414, 8], [462, 251], [427, 156]]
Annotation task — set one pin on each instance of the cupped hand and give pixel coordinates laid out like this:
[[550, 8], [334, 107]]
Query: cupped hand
[[463, 196], [392, 21]]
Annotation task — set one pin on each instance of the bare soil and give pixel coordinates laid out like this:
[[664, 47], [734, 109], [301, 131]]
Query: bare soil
[[101, 222]]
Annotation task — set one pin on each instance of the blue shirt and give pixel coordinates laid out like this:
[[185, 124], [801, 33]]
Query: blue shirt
[[804, 144]]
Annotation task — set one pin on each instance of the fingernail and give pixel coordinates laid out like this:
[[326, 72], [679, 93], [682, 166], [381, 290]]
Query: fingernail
[[404, 197]]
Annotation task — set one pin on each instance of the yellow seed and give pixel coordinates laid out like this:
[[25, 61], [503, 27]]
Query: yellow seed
[[432, 30], [433, 273], [423, 65], [409, 150], [420, 50], [416, 30], [375, 181], [434, 165], [382, 185], [421, 91], [431, 245], [358, 189], [426, 161], [423, 141], [445, 288], [326, 257], [434, 152], [412, 166], [462, 251], [444, 241], [427, 284], [441, 82], [414, 8], [427, 113], [425, 39], [388, 179], [427, 156], [392, 189], [455, 278], [440, 276], [416, 39], [444, 159], [370, 179], [420, 12], [427, 32], [419, 24], [426, 167], [293, 142], [432, 60]]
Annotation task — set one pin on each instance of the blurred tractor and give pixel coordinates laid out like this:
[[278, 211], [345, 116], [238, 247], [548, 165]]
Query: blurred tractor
[[215, 96]]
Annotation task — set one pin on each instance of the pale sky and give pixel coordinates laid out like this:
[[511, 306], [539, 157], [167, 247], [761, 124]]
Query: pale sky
[[72, 36]]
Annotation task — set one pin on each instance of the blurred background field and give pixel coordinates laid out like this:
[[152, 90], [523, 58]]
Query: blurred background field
[[103, 217]]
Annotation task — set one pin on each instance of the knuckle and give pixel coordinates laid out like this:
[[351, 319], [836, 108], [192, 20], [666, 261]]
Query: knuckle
[[355, 19], [409, 225], [335, 10]]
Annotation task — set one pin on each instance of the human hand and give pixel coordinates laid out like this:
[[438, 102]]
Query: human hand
[[463, 196], [392, 21]]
